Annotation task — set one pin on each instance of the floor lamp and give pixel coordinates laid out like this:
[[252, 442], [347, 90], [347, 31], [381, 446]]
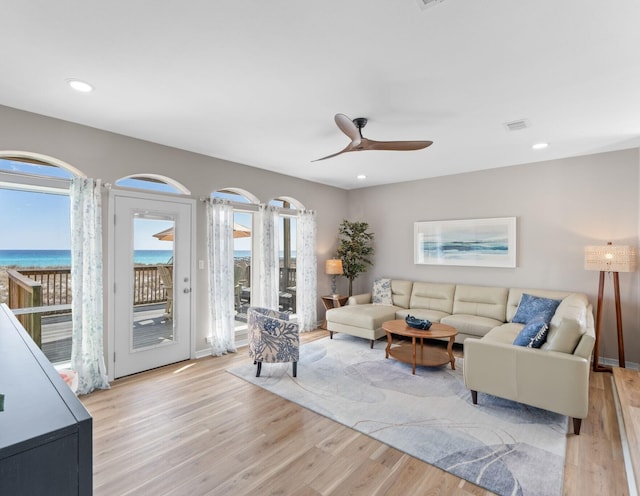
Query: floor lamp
[[609, 258]]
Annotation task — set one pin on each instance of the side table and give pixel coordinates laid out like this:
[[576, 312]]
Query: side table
[[332, 301]]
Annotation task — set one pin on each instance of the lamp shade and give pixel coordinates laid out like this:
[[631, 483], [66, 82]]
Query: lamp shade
[[610, 258], [333, 267]]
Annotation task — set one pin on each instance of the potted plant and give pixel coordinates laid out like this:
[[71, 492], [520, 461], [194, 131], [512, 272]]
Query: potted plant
[[354, 249]]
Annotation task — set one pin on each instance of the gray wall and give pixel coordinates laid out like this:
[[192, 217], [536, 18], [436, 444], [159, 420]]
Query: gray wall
[[561, 206], [109, 156]]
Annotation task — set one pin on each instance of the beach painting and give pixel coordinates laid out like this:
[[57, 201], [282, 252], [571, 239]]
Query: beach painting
[[470, 242]]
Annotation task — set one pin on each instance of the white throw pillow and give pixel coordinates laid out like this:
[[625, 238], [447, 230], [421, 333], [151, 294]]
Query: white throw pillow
[[381, 294]]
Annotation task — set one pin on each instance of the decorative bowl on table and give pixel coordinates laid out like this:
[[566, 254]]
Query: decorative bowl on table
[[422, 324]]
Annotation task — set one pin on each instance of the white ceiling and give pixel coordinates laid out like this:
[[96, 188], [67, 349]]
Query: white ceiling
[[259, 82]]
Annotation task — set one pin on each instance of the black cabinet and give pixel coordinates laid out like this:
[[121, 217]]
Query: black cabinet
[[45, 431]]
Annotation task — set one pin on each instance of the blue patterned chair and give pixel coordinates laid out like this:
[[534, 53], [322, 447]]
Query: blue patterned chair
[[272, 338]]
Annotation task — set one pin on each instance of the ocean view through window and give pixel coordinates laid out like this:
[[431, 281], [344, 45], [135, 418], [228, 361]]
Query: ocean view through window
[[35, 260]]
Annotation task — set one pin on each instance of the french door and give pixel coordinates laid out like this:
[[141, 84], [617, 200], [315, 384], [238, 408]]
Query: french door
[[153, 271]]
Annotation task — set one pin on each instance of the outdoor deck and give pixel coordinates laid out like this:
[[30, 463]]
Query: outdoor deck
[[49, 291], [150, 326]]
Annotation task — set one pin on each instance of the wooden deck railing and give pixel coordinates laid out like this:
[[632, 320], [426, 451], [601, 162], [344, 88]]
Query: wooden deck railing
[[287, 277], [55, 283], [147, 287], [45, 287], [23, 293]]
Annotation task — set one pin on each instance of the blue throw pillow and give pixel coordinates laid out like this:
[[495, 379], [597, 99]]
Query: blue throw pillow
[[534, 308], [533, 335]]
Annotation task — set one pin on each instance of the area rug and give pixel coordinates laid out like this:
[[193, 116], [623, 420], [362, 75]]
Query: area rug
[[503, 446]]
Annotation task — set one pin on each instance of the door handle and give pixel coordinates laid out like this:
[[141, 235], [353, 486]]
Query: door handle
[[186, 290]]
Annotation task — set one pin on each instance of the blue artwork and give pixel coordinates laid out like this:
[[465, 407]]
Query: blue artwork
[[479, 242]]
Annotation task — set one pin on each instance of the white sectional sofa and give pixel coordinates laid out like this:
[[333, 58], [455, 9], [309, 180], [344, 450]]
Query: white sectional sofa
[[554, 377]]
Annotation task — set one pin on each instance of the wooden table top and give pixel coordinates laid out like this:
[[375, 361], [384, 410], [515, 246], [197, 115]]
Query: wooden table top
[[436, 330]]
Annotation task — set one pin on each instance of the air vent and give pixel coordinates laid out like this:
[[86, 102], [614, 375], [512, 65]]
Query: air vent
[[517, 125], [425, 4]]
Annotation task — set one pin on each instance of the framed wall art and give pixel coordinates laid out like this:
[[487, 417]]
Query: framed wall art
[[471, 242]]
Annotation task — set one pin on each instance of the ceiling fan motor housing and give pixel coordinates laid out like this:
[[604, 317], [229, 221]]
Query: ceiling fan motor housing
[[360, 122]]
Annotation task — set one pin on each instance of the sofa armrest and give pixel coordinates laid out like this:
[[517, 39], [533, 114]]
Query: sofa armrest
[[359, 299], [551, 380], [585, 346]]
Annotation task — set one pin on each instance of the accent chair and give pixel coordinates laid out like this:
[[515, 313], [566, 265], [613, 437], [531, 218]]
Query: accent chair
[[273, 338]]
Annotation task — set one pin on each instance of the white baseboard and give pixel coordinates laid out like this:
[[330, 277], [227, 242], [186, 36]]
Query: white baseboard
[[612, 362], [207, 351]]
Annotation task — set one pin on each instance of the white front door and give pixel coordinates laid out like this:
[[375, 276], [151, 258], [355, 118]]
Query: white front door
[[152, 246]]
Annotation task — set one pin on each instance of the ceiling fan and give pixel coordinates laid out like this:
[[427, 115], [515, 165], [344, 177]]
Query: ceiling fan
[[353, 129]]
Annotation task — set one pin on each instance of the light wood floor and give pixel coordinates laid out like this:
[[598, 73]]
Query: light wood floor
[[192, 428]]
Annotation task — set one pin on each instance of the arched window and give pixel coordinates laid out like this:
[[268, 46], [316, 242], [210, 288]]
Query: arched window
[[35, 246], [153, 182]]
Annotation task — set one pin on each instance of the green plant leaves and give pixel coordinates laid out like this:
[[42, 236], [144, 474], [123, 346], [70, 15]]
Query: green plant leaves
[[355, 249]]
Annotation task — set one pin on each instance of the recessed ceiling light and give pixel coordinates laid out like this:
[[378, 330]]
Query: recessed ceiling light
[[361, 176], [540, 146], [81, 86]]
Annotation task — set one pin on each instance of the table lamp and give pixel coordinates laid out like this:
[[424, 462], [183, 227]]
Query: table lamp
[[609, 258], [333, 267]]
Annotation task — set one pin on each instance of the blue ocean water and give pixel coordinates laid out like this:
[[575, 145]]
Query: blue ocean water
[[62, 258], [462, 249]]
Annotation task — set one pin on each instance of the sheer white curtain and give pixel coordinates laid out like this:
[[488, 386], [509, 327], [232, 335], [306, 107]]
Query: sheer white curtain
[[267, 292], [87, 354], [220, 254], [306, 271]]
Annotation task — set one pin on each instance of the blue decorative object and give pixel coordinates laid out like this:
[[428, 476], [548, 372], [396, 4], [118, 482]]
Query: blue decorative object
[[416, 323], [533, 335], [534, 308]]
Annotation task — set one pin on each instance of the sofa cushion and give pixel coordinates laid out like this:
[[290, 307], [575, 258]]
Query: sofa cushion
[[564, 337], [381, 293], [483, 301], [471, 324], [368, 316], [515, 294], [505, 333], [401, 291], [573, 307], [535, 308], [533, 334], [432, 296], [587, 341]]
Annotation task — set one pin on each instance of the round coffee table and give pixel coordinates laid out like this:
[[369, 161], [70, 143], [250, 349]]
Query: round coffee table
[[408, 353]]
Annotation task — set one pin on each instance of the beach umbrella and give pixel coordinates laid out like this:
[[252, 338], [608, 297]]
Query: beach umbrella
[[166, 235], [239, 231]]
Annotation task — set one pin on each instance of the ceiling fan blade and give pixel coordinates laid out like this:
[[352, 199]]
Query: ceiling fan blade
[[368, 144], [348, 148], [353, 129], [347, 126]]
